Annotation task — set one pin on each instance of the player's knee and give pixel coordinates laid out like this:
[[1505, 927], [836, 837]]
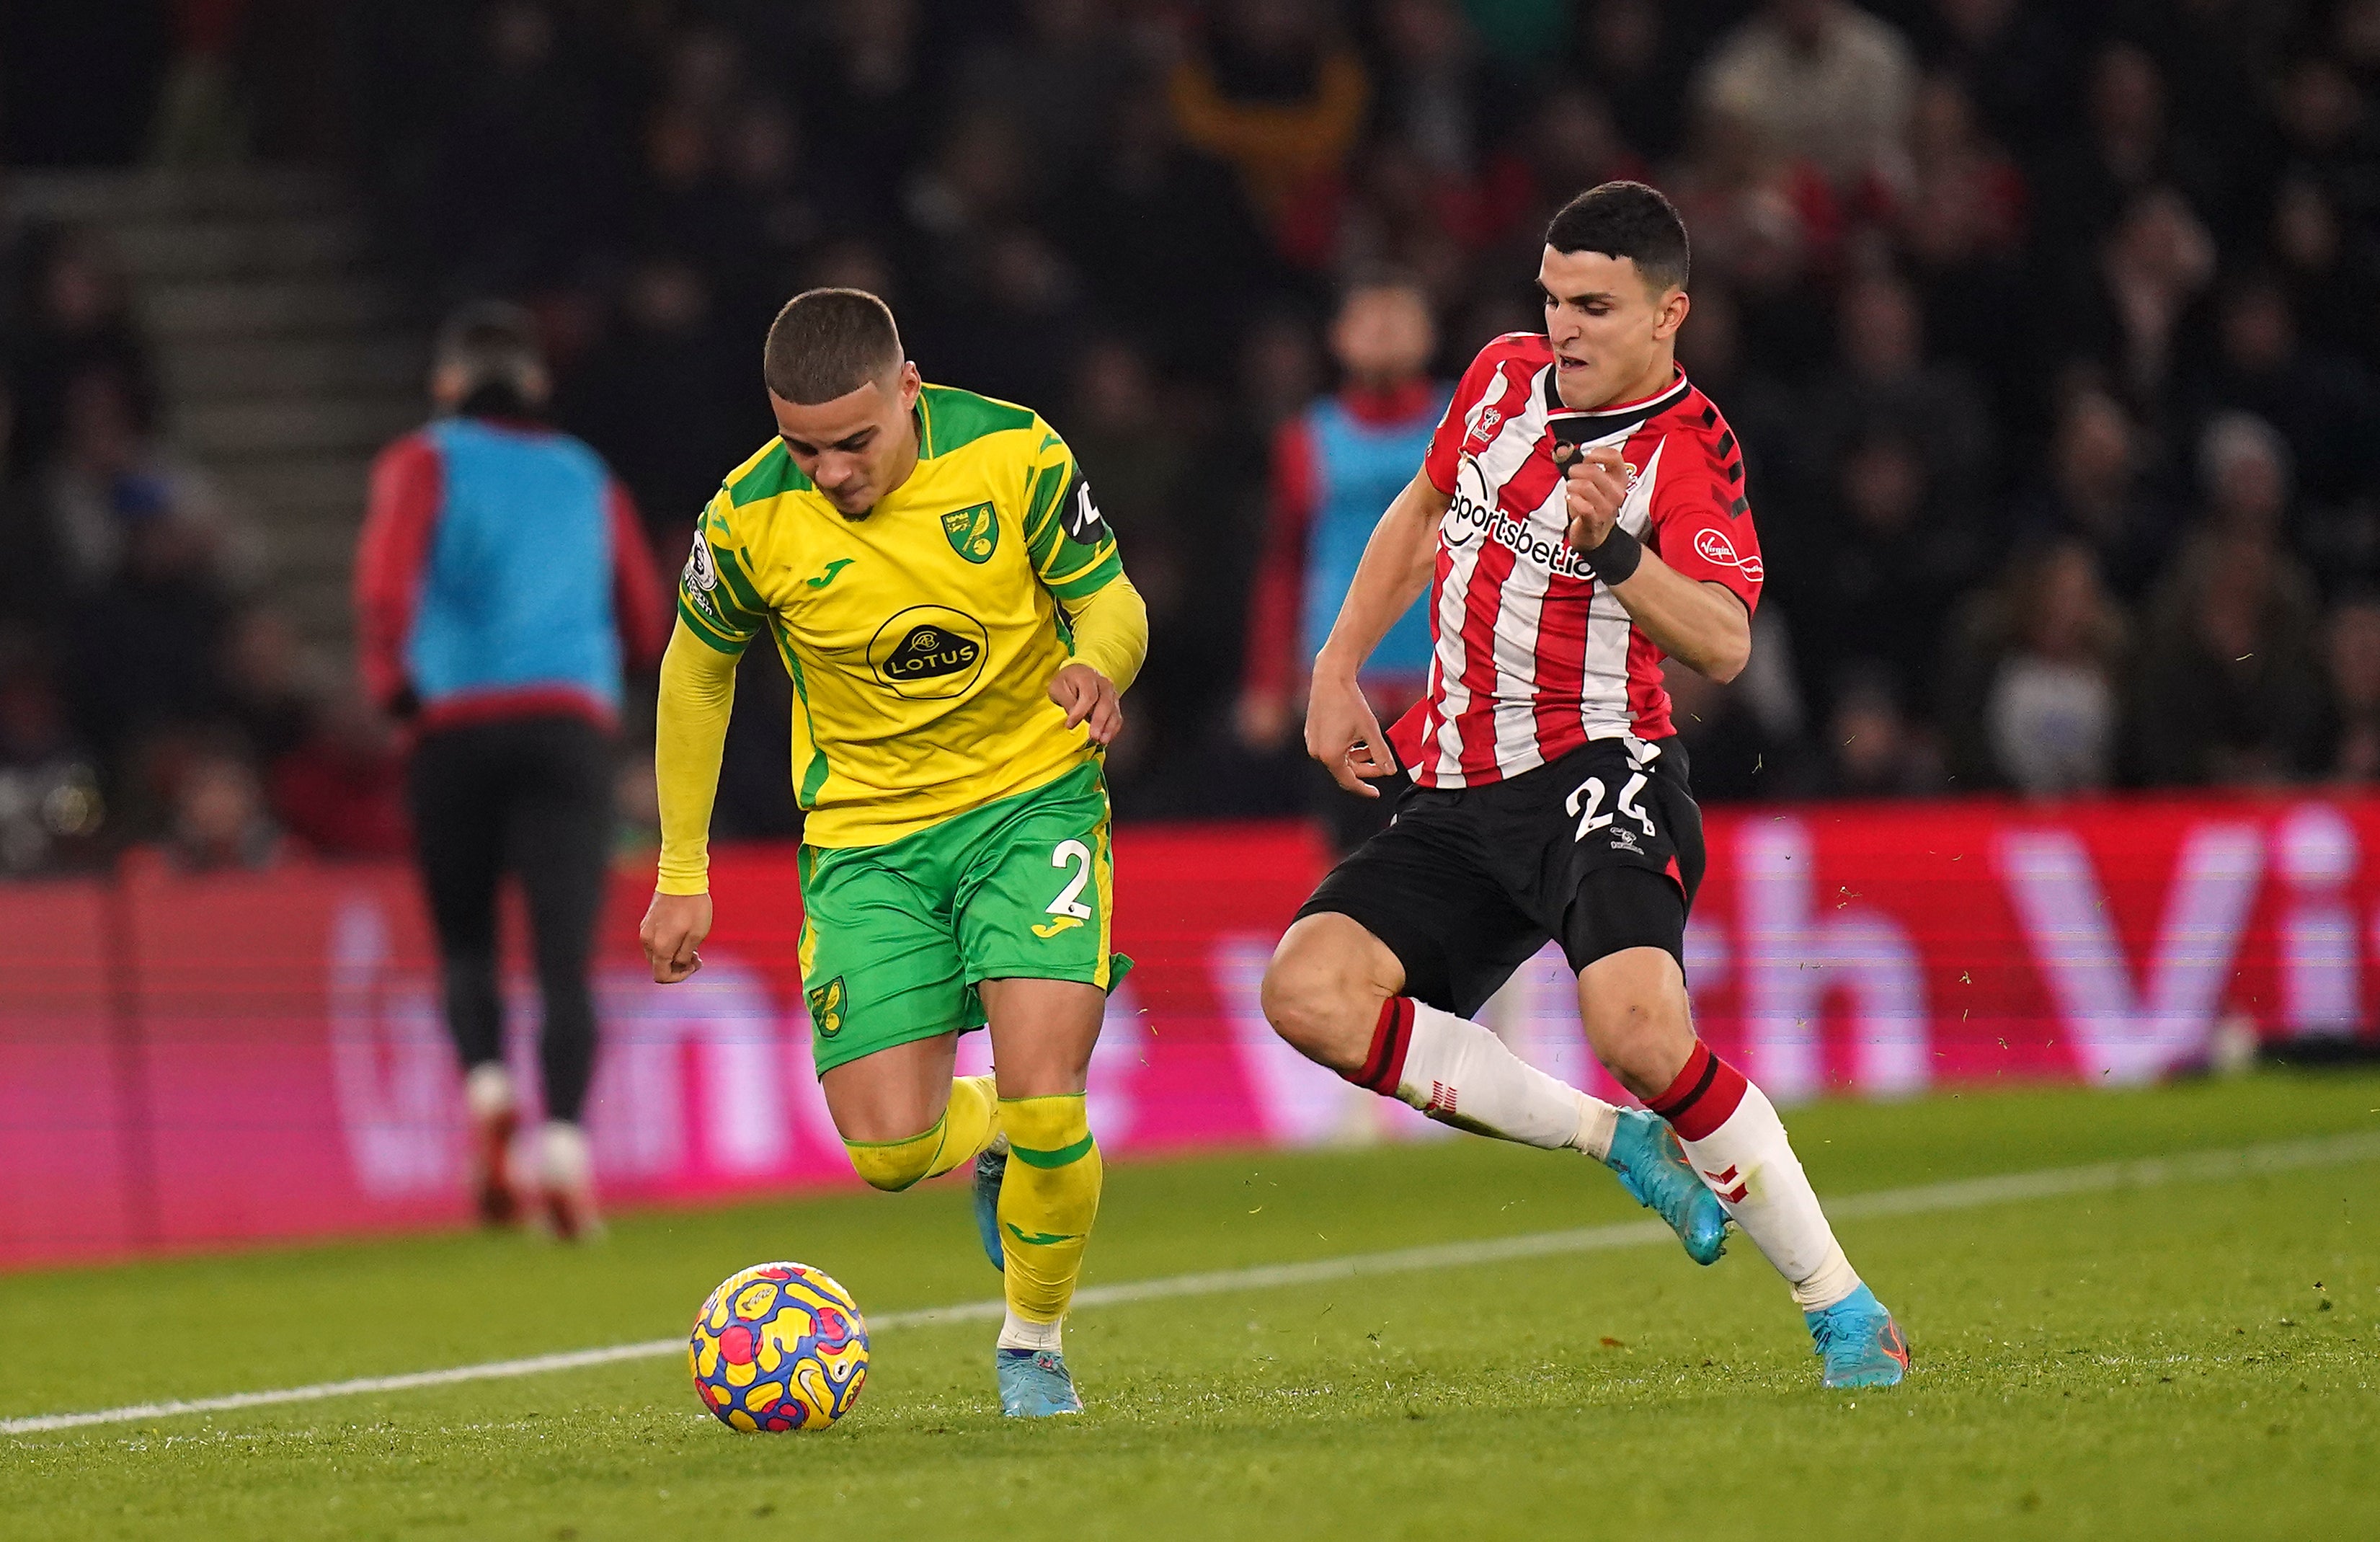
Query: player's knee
[[1317, 1006], [894, 1165], [1634, 1008]]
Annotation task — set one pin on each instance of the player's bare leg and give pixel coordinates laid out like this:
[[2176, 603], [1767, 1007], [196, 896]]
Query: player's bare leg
[[1641, 1024], [903, 1117], [1041, 1183], [1332, 992]]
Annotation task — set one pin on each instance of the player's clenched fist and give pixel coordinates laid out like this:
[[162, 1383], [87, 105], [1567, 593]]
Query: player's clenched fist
[[1088, 697], [1594, 485], [674, 927]]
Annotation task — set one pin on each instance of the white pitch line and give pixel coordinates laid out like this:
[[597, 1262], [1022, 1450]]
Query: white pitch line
[[1921, 1199]]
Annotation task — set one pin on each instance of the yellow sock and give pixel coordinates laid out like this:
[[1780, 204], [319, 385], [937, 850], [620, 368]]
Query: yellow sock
[[1047, 1203], [964, 1129]]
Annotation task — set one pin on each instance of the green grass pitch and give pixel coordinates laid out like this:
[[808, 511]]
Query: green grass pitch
[[2196, 1359]]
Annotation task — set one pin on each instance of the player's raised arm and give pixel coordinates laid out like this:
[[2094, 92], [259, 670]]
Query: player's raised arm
[[1341, 729], [697, 693], [1705, 621]]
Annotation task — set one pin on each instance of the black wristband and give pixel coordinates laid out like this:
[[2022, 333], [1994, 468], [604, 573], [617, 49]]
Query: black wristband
[[1615, 560]]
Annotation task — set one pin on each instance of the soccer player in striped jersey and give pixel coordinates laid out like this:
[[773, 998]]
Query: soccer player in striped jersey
[[936, 576], [1580, 514]]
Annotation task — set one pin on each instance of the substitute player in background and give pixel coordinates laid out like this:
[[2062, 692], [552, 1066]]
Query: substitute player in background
[[502, 581], [1335, 465], [1580, 514], [951, 606]]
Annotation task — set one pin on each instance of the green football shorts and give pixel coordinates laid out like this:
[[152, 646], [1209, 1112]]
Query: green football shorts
[[896, 937]]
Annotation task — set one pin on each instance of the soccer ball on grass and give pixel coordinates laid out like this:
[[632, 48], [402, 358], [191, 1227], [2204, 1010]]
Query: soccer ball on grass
[[778, 1347]]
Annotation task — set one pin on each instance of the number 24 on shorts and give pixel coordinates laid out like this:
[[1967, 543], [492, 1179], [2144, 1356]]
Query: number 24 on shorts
[[1067, 909], [1588, 798]]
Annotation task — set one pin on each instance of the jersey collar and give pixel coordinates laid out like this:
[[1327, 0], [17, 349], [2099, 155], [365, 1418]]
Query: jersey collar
[[1602, 422]]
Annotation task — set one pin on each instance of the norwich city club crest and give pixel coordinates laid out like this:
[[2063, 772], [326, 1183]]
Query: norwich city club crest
[[826, 1007], [974, 532]]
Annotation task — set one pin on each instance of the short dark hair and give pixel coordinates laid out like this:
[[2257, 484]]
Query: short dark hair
[[1626, 219], [829, 343], [492, 342]]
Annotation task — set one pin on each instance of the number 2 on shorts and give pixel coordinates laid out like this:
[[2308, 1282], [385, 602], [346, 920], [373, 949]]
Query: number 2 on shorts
[[1067, 903]]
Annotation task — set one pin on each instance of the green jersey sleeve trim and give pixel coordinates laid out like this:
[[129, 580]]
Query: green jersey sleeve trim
[[1090, 580], [706, 633]]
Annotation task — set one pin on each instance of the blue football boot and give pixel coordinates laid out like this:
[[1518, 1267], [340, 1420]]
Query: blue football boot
[[1034, 1383], [990, 1168], [1860, 1343], [1653, 1168]]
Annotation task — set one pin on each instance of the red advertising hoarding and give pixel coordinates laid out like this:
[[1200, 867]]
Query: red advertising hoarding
[[202, 1061]]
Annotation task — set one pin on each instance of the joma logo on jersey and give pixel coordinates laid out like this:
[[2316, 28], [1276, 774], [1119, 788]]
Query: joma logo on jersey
[[929, 651]]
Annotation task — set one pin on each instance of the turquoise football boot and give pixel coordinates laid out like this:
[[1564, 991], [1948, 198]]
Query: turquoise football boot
[[1653, 1168], [1034, 1383], [990, 1168], [1860, 1343]]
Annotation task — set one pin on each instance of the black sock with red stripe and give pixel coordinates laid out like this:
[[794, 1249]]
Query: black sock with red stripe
[[1391, 1037], [1703, 1097]]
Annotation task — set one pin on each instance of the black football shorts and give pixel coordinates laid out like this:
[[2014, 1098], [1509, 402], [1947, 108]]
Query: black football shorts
[[1600, 850]]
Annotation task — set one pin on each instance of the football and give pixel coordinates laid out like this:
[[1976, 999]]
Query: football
[[778, 1347]]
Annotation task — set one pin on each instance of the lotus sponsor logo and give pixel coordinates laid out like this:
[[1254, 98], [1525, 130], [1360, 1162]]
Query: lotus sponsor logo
[[929, 651]]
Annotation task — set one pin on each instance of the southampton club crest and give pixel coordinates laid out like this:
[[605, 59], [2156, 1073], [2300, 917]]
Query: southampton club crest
[[974, 532]]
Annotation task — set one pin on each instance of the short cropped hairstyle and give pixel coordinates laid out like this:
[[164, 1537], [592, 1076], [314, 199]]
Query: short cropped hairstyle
[[829, 343], [1626, 219], [491, 343]]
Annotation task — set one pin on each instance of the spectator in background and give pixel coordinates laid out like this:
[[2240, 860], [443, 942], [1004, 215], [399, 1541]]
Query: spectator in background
[[1747, 738], [219, 820], [1336, 466], [529, 163], [503, 584], [1767, 226], [1822, 81], [2347, 749], [1882, 381], [870, 96], [1269, 88], [657, 397], [1056, 78], [1875, 749], [1898, 556], [2144, 297], [2012, 58], [2097, 491], [2324, 405], [1961, 225], [2030, 681], [2126, 147], [51, 810], [1642, 68], [112, 478], [340, 790], [79, 322], [1147, 198], [2227, 685], [2327, 271]]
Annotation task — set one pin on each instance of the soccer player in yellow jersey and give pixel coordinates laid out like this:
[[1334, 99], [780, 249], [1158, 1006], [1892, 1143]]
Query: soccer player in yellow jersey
[[934, 571]]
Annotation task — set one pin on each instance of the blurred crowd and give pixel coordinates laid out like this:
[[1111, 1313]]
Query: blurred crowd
[[2050, 330]]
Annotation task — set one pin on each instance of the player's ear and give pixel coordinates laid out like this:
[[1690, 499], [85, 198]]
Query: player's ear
[[1670, 314], [911, 382]]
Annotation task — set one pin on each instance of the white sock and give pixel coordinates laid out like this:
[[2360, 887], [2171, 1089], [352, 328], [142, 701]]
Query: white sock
[[1459, 1074], [1016, 1333], [1750, 1164], [488, 1091], [568, 1162]]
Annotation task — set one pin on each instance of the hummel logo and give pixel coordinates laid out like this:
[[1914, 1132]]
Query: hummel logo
[[827, 577], [1720, 1184], [1441, 1098]]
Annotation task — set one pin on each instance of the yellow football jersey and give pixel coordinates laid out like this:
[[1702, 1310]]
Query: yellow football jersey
[[922, 637]]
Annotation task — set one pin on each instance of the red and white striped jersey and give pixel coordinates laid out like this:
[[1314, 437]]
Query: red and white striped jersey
[[1532, 659]]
